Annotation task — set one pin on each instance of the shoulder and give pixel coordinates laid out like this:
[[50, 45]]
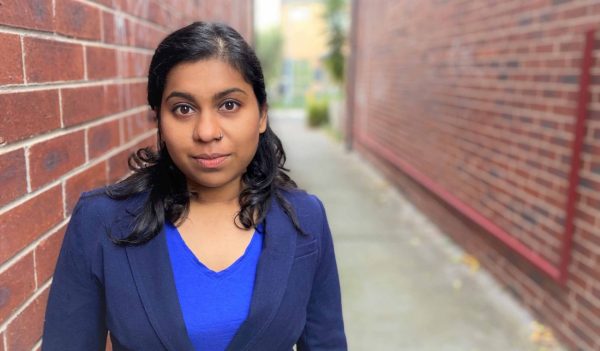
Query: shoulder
[[309, 209], [95, 215], [303, 201], [97, 203]]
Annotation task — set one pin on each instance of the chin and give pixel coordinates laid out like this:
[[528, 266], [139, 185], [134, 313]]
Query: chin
[[212, 182]]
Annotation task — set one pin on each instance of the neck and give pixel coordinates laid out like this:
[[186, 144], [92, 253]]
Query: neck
[[227, 195]]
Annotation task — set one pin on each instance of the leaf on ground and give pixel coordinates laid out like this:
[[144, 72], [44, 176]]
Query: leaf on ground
[[542, 335], [471, 262]]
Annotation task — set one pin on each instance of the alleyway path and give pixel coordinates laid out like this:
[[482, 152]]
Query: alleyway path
[[403, 284]]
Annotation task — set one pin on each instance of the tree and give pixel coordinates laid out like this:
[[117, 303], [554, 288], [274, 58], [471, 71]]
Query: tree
[[335, 18], [269, 49]]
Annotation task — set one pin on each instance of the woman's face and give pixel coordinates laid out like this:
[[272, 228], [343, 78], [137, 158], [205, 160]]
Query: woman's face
[[202, 101]]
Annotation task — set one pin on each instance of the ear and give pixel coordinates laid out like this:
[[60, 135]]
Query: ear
[[262, 122]]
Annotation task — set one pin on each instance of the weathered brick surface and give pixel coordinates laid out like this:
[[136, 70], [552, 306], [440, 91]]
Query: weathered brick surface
[[91, 178], [138, 123], [20, 123], [33, 14], [11, 70], [55, 157], [13, 176], [46, 254], [103, 138], [23, 224], [17, 283], [482, 97], [25, 331], [101, 63], [83, 104], [48, 60], [77, 19], [117, 165], [73, 108]]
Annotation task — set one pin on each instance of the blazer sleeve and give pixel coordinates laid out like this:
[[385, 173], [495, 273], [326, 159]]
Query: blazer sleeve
[[75, 312], [324, 328]]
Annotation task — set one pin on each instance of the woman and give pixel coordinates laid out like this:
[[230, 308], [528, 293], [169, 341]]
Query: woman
[[208, 245]]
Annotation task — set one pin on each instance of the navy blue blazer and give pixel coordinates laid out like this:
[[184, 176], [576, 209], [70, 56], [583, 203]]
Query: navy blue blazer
[[99, 287]]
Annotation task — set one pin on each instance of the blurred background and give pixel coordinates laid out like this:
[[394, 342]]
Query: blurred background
[[303, 47], [455, 145]]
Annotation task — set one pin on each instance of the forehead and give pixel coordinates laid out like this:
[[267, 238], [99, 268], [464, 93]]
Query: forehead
[[205, 77]]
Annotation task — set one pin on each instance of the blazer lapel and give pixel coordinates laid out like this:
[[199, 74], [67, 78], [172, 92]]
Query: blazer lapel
[[153, 276], [272, 273]]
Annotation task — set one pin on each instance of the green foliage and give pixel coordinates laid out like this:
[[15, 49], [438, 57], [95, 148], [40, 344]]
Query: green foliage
[[269, 49], [335, 60], [318, 112]]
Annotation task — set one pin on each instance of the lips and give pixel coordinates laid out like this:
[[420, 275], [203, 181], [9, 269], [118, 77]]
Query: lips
[[211, 160], [210, 156]]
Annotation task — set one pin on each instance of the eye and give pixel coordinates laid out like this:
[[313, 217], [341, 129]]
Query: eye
[[230, 106], [183, 110]]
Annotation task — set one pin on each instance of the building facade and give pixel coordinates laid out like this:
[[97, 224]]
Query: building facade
[[486, 114]]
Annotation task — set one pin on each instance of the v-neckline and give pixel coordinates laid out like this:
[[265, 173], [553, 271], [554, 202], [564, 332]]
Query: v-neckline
[[204, 268], [153, 276]]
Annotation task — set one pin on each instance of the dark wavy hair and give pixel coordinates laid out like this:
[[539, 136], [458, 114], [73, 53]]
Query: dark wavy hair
[[155, 173]]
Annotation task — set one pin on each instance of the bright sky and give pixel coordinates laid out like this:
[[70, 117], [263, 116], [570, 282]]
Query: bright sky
[[267, 13]]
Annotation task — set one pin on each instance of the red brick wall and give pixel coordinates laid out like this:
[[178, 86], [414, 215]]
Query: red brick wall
[[481, 97], [73, 100]]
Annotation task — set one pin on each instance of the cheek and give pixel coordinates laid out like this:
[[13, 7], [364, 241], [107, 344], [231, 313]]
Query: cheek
[[172, 134], [251, 144]]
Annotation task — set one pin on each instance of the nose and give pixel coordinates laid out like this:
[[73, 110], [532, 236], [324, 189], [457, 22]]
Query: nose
[[207, 127]]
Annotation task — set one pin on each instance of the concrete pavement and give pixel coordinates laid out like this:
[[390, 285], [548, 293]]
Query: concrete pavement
[[404, 284]]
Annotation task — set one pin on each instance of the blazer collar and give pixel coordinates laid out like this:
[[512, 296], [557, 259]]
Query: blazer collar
[[153, 276]]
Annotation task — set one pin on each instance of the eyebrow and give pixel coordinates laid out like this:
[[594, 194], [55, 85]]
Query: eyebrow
[[217, 96]]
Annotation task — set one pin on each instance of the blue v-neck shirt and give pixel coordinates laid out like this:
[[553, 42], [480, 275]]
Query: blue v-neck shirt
[[214, 304]]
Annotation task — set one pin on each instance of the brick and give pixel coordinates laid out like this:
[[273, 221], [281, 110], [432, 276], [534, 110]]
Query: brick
[[52, 158], [140, 64], [149, 141], [131, 64], [138, 95], [83, 104], [102, 138], [144, 36], [118, 166], [48, 60], [77, 19], [13, 176], [158, 15], [46, 254], [101, 63], [108, 3], [22, 119], [26, 330], [115, 99], [32, 14], [17, 229], [11, 69], [584, 337], [17, 283], [121, 97], [491, 98], [116, 28], [138, 123], [89, 179]]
